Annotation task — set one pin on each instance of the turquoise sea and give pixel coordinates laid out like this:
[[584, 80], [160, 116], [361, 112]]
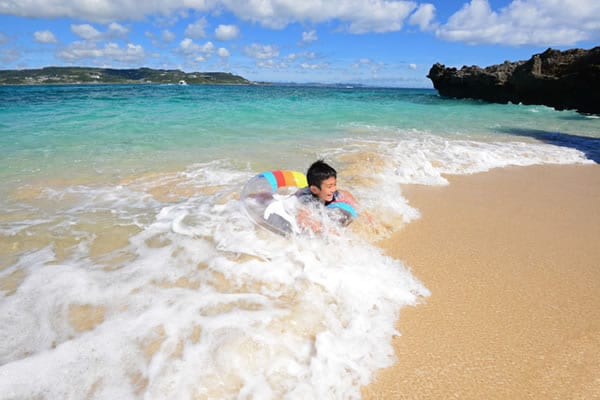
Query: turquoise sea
[[129, 268]]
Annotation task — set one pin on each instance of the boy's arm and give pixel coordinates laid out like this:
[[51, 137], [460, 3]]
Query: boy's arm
[[306, 221], [347, 197]]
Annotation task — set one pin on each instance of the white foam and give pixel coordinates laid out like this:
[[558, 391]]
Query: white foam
[[200, 302], [232, 310], [426, 159]]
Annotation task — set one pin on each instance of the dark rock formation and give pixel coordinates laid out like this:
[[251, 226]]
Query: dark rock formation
[[560, 79]]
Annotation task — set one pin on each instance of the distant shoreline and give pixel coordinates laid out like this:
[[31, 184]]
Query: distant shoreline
[[92, 75], [251, 83]]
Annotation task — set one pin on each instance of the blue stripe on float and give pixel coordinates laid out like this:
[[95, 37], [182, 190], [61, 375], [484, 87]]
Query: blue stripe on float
[[268, 175], [345, 207]]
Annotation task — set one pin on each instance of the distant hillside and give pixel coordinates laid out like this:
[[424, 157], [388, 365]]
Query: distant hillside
[[78, 75]]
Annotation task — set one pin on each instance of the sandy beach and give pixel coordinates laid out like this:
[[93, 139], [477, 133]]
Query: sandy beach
[[512, 259]]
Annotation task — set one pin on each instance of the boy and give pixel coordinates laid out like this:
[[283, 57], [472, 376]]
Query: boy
[[322, 188]]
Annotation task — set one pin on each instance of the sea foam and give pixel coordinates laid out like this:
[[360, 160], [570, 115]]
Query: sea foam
[[161, 287], [198, 303]]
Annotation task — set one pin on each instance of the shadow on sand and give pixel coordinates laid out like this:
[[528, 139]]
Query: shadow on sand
[[588, 145]]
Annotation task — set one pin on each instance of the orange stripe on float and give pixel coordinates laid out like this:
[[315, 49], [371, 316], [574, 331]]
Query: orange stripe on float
[[289, 178]]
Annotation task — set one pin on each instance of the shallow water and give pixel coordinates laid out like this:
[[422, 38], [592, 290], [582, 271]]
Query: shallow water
[[129, 269]]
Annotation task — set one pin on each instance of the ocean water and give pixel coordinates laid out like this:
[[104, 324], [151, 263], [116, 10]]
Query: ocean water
[[129, 268]]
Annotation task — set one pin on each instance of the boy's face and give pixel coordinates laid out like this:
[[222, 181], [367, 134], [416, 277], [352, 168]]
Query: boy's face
[[325, 192]]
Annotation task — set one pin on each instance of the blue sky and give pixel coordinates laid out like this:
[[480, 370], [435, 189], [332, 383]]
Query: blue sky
[[373, 42]]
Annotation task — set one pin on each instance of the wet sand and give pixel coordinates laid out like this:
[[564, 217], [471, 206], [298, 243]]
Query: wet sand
[[512, 259]]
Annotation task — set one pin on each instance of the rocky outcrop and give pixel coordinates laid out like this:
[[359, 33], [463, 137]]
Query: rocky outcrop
[[560, 79]]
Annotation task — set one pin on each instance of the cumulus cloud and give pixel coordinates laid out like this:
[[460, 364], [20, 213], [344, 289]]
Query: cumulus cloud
[[358, 16], [167, 36], [88, 32], [314, 66], [197, 52], [196, 30], [272, 64], [226, 32], [378, 16], [412, 66], [367, 64], [524, 22], [87, 50], [308, 37], [46, 37], [116, 30], [297, 56], [261, 52], [361, 62], [90, 10], [223, 52], [423, 17]]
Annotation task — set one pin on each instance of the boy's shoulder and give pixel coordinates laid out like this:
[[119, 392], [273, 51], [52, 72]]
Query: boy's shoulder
[[305, 195]]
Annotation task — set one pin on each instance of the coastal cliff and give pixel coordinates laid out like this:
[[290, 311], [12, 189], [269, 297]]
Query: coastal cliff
[[561, 79]]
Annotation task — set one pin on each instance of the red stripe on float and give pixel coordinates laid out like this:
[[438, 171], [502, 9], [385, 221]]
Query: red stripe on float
[[280, 178]]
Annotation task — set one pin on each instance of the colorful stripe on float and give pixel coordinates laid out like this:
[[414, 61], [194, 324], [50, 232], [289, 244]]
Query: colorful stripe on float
[[283, 178]]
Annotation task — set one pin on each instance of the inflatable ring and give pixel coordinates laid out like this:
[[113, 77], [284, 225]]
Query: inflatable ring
[[264, 199]]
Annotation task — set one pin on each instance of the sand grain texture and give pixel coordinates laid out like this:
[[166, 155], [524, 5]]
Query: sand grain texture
[[512, 258]]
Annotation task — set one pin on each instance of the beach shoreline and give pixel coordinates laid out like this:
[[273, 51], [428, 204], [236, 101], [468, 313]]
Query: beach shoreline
[[512, 260]]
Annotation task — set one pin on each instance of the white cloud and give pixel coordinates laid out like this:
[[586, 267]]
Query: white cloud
[[537, 22], [115, 31], [525, 22], [45, 37], [88, 50], [101, 12], [226, 32], [309, 37], [305, 55], [88, 32], [128, 54], [196, 30], [367, 64], [167, 35], [412, 66], [198, 52], [223, 52], [312, 66], [359, 16], [423, 17], [187, 45], [378, 16], [361, 62], [272, 64], [261, 52]]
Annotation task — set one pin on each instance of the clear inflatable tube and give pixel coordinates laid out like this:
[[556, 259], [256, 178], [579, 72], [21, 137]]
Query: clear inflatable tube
[[267, 196]]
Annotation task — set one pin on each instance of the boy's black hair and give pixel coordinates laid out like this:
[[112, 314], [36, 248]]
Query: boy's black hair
[[318, 172]]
